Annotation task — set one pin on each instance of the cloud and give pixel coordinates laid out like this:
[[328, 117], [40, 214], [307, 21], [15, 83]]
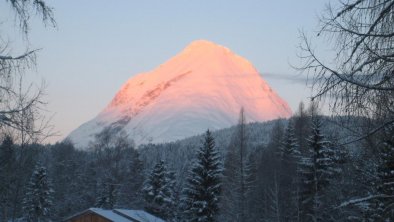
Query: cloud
[[294, 78]]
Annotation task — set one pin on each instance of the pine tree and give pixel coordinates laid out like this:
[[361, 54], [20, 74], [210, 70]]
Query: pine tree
[[301, 126], [174, 201], [290, 148], [306, 172], [288, 185], [251, 188], [38, 199], [157, 190], [318, 169], [203, 184]]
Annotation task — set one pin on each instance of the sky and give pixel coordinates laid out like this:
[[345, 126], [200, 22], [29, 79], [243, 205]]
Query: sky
[[98, 45]]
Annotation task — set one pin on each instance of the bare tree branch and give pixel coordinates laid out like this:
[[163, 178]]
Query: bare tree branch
[[23, 56], [359, 80]]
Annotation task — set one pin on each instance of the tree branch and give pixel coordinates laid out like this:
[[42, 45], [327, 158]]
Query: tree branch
[[370, 133], [19, 57]]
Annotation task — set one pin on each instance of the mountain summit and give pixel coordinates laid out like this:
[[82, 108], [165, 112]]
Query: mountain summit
[[202, 87]]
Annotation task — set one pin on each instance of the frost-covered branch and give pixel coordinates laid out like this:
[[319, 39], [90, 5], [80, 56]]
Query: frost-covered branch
[[362, 199]]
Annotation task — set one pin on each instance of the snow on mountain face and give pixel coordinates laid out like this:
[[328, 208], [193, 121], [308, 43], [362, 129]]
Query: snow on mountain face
[[202, 87]]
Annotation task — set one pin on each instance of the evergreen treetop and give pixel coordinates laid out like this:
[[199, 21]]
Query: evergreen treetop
[[203, 183], [38, 199]]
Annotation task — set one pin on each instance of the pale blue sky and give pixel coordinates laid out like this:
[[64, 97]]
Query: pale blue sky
[[99, 44]]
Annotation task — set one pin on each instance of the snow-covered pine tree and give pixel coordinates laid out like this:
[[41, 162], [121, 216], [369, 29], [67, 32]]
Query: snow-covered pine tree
[[203, 184], [251, 184], [290, 148], [301, 121], [306, 172], [37, 202], [288, 181], [174, 204], [267, 193], [157, 190], [318, 169]]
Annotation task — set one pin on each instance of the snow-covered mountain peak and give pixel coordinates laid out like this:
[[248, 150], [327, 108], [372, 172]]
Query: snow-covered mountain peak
[[204, 46], [213, 56], [204, 86]]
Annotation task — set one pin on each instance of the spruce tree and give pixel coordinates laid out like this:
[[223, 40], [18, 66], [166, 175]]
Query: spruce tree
[[203, 184], [157, 190], [318, 169], [251, 185], [173, 213], [290, 148], [288, 186], [38, 199]]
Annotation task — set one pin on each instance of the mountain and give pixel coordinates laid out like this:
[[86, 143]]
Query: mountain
[[202, 87]]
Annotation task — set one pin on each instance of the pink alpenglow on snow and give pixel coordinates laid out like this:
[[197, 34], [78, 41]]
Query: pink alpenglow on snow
[[202, 87]]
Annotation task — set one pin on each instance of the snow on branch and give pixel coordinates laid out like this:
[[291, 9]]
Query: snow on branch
[[363, 199]]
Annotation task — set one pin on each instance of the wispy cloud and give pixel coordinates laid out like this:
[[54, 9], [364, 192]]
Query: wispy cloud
[[294, 78]]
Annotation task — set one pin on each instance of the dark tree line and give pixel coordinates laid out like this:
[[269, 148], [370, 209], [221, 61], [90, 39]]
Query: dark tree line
[[302, 173]]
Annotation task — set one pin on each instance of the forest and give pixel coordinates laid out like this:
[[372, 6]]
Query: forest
[[310, 167], [284, 170]]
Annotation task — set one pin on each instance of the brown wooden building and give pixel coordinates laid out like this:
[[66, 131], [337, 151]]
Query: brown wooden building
[[115, 215]]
